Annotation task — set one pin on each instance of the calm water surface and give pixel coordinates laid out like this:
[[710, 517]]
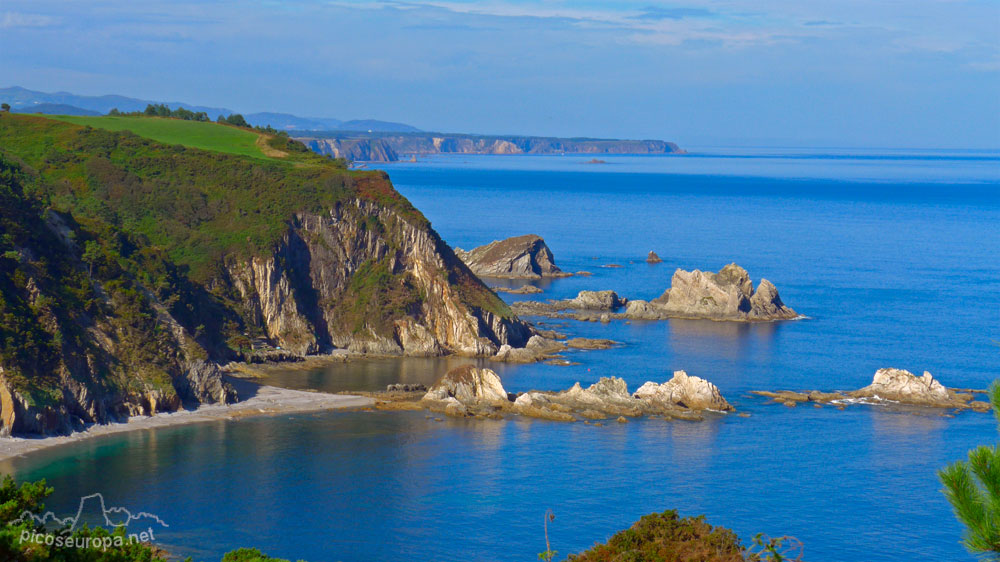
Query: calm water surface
[[893, 255]]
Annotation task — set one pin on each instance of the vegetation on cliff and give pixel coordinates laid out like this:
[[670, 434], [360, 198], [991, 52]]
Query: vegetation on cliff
[[126, 259], [199, 205]]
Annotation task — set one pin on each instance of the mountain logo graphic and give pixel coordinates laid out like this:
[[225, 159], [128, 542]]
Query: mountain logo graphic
[[92, 510]]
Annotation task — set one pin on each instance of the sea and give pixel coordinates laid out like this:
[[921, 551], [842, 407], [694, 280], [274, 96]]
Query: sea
[[892, 256]]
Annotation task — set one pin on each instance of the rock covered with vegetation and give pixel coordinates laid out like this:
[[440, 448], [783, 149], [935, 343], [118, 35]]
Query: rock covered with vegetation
[[520, 257], [726, 295], [130, 268]]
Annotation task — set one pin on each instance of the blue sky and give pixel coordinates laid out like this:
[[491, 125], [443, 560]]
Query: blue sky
[[880, 73]]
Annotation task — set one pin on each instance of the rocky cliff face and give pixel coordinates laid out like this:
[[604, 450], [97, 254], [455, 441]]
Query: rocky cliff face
[[355, 150], [521, 257], [726, 295], [362, 277]]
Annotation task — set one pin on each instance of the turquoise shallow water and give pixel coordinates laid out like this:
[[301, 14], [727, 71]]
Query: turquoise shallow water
[[894, 256]]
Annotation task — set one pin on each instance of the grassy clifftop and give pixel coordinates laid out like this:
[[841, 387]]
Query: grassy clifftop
[[198, 205], [194, 134]]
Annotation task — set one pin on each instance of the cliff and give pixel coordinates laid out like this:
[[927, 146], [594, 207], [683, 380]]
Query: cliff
[[359, 276], [355, 150], [85, 342], [140, 266], [386, 147]]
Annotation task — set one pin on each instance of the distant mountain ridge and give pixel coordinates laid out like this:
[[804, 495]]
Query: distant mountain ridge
[[23, 100]]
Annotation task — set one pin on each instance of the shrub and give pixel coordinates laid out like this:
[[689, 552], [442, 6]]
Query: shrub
[[973, 488]]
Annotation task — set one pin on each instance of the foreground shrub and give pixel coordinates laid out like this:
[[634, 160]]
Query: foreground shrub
[[973, 488], [669, 538]]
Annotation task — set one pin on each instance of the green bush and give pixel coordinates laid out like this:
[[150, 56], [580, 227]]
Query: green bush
[[973, 488]]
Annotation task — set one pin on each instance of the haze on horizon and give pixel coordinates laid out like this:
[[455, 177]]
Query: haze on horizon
[[769, 72]]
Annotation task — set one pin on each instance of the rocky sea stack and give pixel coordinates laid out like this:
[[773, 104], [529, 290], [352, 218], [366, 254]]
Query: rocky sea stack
[[521, 257], [726, 295]]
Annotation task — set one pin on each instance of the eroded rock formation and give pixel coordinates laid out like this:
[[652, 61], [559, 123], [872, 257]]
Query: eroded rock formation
[[726, 295], [520, 257]]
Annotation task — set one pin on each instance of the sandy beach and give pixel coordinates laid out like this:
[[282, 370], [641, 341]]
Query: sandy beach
[[255, 400]]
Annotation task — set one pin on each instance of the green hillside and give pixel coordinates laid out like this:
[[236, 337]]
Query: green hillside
[[198, 205], [195, 134]]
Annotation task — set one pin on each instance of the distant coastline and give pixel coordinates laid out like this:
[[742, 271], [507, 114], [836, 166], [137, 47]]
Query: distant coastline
[[375, 146]]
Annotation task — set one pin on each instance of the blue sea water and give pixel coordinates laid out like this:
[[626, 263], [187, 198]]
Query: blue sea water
[[894, 256]]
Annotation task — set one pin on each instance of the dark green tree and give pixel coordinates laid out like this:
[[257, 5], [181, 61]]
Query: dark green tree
[[237, 120], [973, 488], [4, 106]]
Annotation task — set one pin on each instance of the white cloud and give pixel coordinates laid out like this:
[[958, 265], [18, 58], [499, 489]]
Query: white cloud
[[15, 19]]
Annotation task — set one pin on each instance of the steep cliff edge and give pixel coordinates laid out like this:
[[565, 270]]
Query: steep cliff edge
[[362, 277], [164, 260]]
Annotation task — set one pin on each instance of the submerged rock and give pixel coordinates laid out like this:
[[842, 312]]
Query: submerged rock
[[521, 257], [586, 305], [726, 295], [596, 300], [522, 290]]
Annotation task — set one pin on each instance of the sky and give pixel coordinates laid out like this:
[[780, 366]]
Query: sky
[[885, 73]]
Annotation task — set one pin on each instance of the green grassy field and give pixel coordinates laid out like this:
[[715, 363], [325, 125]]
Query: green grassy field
[[196, 134]]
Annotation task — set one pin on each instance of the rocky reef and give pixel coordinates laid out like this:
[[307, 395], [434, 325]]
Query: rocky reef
[[520, 257], [587, 306], [726, 295], [889, 387], [543, 348], [469, 390]]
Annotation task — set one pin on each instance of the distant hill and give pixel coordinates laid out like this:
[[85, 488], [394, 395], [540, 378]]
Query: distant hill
[[290, 122], [23, 100], [55, 109], [375, 125]]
